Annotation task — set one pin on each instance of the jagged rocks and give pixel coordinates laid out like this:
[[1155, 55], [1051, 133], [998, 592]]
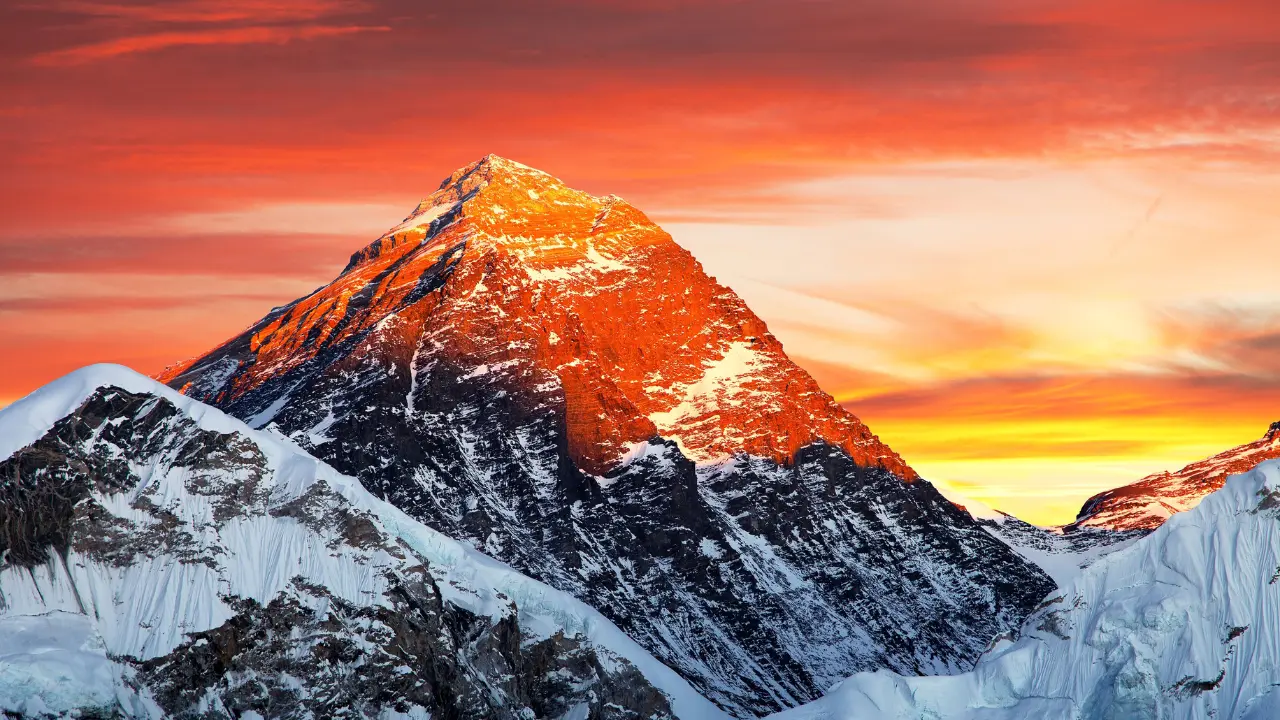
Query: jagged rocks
[[289, 659]]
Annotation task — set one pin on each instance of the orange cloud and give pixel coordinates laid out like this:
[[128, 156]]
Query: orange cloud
[[227, 36], [1039, 447], [213, 11], [240, 255]]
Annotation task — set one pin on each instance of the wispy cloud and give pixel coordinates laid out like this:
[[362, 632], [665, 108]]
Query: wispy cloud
[[214, 11], [1238, 338], [149, 27], [228, 36]]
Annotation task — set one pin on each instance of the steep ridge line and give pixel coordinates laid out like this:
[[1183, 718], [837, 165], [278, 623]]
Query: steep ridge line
[[566, 257], [1145, 504]]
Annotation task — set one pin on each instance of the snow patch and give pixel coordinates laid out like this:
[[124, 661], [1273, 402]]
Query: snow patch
[[423, 216], [724, 383]]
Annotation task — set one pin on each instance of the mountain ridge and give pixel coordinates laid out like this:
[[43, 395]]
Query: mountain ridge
[[1180, 623], [1145, 504], [556, 236]]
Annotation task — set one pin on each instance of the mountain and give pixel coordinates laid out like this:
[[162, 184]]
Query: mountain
[[1147, 503], [546, 376], [161, 559], [1182, 624]]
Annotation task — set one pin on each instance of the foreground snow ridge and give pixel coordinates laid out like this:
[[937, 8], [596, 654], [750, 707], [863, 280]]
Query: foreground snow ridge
[[1182, 625], [62, 624]]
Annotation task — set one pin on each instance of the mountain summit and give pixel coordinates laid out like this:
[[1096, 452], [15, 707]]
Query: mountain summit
[[547, 376], [589, 290]]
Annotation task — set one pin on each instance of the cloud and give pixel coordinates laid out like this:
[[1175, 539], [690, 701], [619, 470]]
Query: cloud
[[911, 338], [1039, 446], [1240, 338], [149, 27], [112, 304], [367, 220], [1075, 397], [212, 11], [228, 36], [294, 255]]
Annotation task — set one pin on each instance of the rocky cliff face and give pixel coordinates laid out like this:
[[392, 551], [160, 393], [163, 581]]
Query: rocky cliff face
[[548, 376], [159, 559], [1145, 504]]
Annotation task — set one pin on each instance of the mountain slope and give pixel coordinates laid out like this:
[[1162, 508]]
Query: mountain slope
[[1062, 556], [1147, 503], [160, 559], [546, 375], [1183, 625]]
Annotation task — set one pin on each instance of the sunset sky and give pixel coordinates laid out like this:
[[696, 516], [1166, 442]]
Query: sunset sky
[[1034, 244]]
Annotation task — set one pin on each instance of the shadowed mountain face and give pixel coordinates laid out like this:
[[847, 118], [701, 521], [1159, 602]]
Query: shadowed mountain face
[[1147, 503], [548, 376]]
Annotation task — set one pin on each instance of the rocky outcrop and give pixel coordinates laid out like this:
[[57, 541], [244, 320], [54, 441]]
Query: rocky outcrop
[[548, 376]]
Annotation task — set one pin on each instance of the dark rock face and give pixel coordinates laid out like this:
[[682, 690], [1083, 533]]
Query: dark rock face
[[307, 652], [508, 376], [762, 583], [45, 496], [288, 660]]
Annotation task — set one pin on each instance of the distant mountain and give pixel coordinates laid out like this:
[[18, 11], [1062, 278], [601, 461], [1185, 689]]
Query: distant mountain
[[160, 559], [547, 376], [1146, 504], [1181, 624]]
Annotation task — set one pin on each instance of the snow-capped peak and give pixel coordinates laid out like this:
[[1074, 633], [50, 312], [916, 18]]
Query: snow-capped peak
[[24, 421], [492, 367]]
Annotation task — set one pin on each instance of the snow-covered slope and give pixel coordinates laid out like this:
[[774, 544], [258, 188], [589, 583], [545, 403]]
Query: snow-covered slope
[[1061, 555], [547, 375], [1184, 624], [1145, 504], [158, 557]]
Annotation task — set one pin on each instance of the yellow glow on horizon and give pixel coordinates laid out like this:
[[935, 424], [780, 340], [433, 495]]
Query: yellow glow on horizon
[[1042, 470]]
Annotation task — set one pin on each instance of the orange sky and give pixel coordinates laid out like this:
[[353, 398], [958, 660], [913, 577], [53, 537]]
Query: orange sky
[[1032, 243]]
